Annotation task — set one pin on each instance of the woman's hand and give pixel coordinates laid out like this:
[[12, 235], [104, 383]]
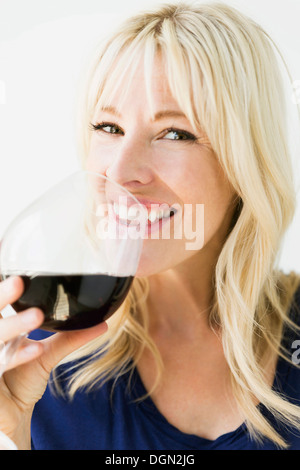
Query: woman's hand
[[25, 378]]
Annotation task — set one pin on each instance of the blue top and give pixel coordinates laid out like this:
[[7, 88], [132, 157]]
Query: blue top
[[92, 421]]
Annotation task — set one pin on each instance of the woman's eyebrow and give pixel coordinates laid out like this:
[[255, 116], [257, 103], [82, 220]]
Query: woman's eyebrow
[[110, 110], [168, 113]]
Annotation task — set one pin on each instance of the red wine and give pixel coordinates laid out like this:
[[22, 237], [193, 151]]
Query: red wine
[[73, 302]]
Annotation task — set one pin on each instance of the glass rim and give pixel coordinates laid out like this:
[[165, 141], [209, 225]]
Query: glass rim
[[111, 181]]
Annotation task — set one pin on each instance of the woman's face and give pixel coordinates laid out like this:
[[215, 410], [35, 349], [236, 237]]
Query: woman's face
[[165, 165]]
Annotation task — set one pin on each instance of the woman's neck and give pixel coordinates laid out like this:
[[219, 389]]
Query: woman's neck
[[180, 299]]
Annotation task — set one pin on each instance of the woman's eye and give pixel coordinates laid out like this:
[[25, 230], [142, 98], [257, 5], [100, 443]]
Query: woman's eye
[[107, 127], [174, 134]]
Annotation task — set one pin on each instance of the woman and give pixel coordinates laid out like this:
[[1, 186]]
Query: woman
[[184, 106]]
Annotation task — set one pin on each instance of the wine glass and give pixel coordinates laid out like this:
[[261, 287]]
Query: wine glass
[[77, 249]]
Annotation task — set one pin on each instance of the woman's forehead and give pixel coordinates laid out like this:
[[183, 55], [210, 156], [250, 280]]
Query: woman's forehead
[[148, 87]]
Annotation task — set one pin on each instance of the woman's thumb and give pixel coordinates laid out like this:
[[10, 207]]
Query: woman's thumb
[[59, 345]]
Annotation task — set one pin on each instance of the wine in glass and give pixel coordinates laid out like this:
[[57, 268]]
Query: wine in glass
[[77, 249]]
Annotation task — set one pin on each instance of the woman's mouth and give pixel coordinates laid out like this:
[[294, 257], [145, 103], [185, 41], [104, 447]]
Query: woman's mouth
[[154, 215]]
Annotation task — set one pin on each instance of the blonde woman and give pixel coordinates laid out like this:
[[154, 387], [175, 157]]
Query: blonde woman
[[184, 106]]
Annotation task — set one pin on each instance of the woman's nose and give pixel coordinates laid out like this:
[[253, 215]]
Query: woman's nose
[[129, 165]]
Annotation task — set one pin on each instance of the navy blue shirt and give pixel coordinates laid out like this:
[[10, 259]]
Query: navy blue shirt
[[96, 421]]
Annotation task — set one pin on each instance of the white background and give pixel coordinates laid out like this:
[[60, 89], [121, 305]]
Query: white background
[[43, 47]]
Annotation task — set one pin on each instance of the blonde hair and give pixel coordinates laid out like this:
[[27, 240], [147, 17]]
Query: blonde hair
[[223, 71]]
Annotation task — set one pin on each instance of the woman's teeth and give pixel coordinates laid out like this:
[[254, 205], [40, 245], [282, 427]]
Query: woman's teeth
[[131, 213]]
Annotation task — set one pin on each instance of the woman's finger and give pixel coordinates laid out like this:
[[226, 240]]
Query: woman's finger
[[11, 290], [23, 322], [28, 351]]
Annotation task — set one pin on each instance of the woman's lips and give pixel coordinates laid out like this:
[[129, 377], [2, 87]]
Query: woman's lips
[[151, 215], [153, 212]]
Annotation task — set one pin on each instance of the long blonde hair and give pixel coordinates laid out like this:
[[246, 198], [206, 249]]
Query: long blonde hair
[[223, 70]]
